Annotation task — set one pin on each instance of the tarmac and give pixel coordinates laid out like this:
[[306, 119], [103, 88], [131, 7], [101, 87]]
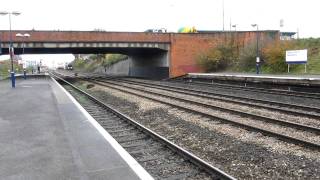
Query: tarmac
[[303, 79], [44, 134]]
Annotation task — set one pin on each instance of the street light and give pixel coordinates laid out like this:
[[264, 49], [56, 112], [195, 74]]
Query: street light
[[235, 27], [237, 42], [26, 35], [257, 58], [11, 50]]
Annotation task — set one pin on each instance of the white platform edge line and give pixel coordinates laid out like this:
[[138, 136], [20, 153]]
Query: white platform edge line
[[256, 76], [133, 164]]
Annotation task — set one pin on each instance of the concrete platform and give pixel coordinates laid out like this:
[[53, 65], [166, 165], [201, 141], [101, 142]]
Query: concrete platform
[[44, 134], [303, 80]]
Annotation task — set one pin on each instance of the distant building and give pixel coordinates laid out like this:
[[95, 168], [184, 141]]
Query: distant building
[[287, 35]]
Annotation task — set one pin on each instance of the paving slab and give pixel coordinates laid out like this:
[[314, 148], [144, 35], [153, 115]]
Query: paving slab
[[44, 135], [303, 79]]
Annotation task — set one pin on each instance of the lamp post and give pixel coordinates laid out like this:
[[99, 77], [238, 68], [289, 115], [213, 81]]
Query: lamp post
[[235, 27], [257, 58], [11, 50], [26, 35], [236, 35]]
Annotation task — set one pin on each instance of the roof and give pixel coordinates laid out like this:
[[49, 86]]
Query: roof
[[287, 33]]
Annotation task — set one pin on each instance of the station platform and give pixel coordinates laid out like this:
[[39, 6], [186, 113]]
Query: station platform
[[45, 134], [302, 80]]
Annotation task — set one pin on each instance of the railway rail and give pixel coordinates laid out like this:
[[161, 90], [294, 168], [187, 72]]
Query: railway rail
[[293, 109], [160, 157], [284, 137], [260, 117], [257, 89]]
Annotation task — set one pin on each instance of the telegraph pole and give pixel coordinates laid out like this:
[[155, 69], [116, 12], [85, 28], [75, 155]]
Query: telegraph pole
[[222, 15]]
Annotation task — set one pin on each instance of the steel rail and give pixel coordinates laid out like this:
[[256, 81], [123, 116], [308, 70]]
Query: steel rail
[[269, 91], [241, 113], [243, 102], [191, 157], [246, 126]]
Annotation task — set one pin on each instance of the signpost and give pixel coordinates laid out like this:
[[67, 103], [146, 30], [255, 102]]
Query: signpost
[[297, 57]]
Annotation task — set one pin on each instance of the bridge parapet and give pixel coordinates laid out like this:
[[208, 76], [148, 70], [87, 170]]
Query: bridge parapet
[[27, 45], [86, 36]]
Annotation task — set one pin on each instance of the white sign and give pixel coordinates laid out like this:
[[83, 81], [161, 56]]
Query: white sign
[[24, 65], [297, 56]]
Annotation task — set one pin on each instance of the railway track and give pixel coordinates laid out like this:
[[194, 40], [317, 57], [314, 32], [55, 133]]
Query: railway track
[[206, 113], [293, 109], [259, 90], [260, 117], [160, 157]]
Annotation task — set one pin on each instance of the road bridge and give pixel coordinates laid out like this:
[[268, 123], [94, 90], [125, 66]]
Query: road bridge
[[150, 54]]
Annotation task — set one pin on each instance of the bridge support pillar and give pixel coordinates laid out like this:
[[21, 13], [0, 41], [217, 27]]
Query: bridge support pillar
[[153, 65]]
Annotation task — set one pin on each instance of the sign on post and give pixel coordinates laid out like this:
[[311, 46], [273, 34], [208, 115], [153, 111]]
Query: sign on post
[[297, 57]]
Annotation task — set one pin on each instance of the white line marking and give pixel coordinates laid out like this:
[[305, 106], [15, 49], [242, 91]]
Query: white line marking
[[255, 76], [133, 164]]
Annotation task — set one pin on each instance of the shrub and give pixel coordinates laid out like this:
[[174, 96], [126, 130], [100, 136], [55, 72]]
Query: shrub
[[274, 56], [247, 58], [218, 59], [113, 58], [79, 63]]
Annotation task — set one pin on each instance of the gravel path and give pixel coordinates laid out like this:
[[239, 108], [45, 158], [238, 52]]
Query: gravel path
[[241, 153]]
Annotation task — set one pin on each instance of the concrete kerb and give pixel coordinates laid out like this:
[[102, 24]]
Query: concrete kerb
[[133, 164]]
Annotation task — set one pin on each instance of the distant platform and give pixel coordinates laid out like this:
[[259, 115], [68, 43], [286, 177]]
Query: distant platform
[[301, 80], [46, 134]]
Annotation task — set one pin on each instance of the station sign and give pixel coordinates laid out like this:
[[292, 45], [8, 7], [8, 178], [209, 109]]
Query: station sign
[[297, 56]]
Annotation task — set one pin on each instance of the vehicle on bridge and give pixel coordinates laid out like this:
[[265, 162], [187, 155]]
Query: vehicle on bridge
[[161, 30], [187, 30]]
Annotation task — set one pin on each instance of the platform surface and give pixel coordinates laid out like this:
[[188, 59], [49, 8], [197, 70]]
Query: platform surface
[[250, 77], [44, 135], [283, 76]]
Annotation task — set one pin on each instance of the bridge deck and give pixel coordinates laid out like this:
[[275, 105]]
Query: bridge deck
[[45, 135]]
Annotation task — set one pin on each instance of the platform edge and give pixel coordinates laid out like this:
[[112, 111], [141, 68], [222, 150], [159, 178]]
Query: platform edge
[[132, 163]]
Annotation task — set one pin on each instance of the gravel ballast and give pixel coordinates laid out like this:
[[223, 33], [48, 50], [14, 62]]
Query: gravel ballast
[[239, 152], [304, 135]]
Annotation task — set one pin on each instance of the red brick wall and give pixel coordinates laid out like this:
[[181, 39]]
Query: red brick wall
[[185, 48], [87, 36]]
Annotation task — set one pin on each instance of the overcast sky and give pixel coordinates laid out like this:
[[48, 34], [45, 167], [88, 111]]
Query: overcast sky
[[139, 15]]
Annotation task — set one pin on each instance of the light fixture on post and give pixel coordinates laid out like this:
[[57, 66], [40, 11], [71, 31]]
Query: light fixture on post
[[26, 35], [235, 27], [11, 49], [236, 40], [257, 53]]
